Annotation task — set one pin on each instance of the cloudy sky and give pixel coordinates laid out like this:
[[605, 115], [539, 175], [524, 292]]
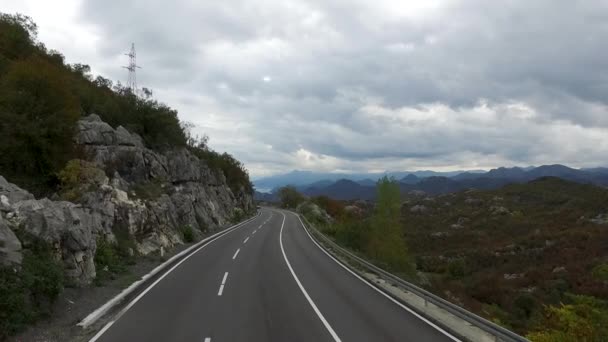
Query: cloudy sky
[[355, 85]]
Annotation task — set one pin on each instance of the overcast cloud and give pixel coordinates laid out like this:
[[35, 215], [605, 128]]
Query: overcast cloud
[[353, 85]]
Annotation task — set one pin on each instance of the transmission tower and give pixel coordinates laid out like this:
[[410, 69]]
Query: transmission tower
[[132, 81]]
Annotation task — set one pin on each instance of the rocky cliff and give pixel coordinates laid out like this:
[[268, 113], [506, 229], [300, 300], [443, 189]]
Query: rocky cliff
[[119, 190]]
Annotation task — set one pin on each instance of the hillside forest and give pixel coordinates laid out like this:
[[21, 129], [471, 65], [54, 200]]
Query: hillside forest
[[42, 97]]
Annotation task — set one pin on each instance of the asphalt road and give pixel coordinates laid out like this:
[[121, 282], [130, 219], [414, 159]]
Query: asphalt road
[[265, 281]]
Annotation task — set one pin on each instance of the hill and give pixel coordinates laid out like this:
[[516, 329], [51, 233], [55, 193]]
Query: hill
[[506, 253], [529, 256], [84, 196]]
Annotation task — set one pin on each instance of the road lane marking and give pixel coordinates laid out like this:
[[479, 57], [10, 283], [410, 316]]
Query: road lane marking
[[246, 240], [314, 306], [378, 290], [236, 253], [140, 296], [221, 290], [207, 339], [254, 232]]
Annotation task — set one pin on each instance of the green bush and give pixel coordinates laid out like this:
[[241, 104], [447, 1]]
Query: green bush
[[111, 259], [238, 215], [600, 272], [235, 172], [27, 294], [77, 176], [188, 233], [457, 268], [351, 233], [583, 318], [14, 311]]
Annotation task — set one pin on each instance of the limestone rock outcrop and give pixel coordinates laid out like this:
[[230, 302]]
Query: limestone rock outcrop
[[138, 194]]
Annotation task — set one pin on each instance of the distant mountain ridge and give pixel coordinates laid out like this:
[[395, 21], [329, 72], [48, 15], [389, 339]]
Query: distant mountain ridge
[[306, 178], [432, 184]]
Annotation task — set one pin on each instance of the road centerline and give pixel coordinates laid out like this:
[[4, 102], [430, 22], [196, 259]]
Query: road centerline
[[245, 241], [236, 253], [221, 290]]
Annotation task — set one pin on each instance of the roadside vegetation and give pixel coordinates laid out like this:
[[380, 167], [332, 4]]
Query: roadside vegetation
[[28, 293], [532, 257], [42, 98]]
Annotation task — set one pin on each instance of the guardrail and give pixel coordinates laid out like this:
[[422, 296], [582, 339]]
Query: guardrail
[[499, 333]]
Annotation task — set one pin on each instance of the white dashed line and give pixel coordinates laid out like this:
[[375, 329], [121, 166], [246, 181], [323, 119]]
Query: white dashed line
[[207, 339], [221, 290], [246, 240], [236, 253]]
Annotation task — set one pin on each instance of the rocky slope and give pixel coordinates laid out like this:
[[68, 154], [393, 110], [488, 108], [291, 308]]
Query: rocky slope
[[119, 190]]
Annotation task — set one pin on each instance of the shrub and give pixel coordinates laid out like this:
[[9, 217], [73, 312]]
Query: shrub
[[352, 233], [111, 259], [600, 272], [188, 233], [27, 294], [235, 172], [457, 268], [77, 176], [14, 311], [584, 318]]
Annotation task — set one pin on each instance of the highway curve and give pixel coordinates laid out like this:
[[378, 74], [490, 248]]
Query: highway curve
[[265, 281]]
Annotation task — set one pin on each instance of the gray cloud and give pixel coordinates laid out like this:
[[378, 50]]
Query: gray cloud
[[359, 85]]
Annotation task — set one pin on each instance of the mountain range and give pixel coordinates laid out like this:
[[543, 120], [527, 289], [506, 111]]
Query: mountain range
[[311, 178], [362, 186]]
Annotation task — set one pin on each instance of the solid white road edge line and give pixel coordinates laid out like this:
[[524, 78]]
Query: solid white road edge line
[[378, 290], [102, 310], [236, 253], [126, 308], [314, 307]]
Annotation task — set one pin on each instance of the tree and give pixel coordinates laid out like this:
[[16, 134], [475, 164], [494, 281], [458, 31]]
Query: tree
[[38, 115], [290, 197], [385, 242], [17, 36]]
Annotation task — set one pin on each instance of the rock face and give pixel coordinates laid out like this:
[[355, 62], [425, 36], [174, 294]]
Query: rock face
[[146, 197], [10, 246]]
